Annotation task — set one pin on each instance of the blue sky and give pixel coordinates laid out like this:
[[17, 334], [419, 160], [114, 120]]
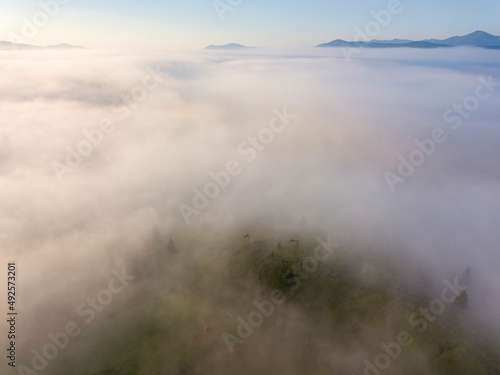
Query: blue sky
[[195, 23]]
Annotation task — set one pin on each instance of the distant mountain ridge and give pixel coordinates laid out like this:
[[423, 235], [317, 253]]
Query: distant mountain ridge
[[476, 39], [15, 46], [229, 46], [382, 44]]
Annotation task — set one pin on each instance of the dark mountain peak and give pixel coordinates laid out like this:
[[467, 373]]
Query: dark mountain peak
[[480, 33], [478, 38]]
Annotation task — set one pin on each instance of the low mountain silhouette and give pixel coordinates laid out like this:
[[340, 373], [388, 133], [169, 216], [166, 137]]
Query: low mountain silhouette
[[229, 46], [17, 46], [392, 41], [476, 39]]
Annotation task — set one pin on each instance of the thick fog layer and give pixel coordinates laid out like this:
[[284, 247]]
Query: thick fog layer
[[395, 153]]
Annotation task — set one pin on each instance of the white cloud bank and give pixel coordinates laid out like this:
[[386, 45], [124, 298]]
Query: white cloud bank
[[173, 120]]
